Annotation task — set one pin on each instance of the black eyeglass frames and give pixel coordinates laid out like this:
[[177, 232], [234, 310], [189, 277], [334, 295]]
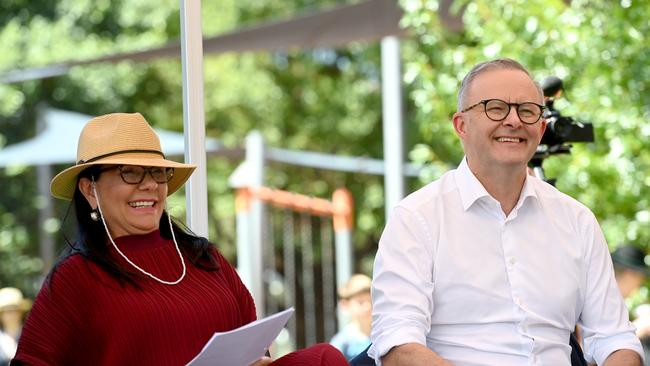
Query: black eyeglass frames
[[134, 174], [497, 110]]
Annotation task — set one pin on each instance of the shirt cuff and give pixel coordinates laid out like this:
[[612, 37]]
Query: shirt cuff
[[388, 339], [604, 348]]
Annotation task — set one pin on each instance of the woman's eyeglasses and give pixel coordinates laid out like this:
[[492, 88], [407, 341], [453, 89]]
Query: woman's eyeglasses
[[134, 174]]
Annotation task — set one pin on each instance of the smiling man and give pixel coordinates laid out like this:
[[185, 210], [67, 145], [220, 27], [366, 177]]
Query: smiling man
[[489, 265]]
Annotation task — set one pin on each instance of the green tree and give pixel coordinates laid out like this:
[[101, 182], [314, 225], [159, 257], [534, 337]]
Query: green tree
[[324, 100], [328, 100], [599, 48]]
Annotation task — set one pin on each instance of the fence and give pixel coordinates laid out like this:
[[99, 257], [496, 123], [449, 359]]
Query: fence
[[305, 254]]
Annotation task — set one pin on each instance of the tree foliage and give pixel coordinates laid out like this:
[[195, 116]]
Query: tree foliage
[[324, 100], [600, 50], [329, 100]]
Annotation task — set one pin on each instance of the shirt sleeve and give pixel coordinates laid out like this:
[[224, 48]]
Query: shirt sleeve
[[402, 289], [604, 318]]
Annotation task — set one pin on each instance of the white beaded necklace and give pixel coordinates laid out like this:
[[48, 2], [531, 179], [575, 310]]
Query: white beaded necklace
[[171, 229]]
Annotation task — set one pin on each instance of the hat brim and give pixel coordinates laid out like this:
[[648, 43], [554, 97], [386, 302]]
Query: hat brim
[[63, 185], [24, 306]]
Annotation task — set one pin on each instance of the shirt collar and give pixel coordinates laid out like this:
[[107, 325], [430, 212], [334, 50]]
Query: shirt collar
[[471, 189], [527, 191]]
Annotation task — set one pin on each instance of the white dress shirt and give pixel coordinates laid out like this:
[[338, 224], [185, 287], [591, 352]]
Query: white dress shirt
[[455, 274]]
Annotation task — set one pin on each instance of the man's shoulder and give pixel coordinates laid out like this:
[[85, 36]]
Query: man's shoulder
[[548, 194], [430, 193]]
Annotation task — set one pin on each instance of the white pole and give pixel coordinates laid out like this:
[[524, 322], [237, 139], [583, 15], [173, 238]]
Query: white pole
[[255, 157], [244, 247], [196, 191], [391, 91]]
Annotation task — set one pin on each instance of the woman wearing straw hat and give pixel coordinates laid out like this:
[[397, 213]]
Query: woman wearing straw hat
[[13, 307], [135, 287], [356, 303]]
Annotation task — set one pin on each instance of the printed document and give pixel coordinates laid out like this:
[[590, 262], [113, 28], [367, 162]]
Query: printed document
[[244, 345]]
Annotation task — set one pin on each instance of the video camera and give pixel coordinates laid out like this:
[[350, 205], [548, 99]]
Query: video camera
[[560, 130]]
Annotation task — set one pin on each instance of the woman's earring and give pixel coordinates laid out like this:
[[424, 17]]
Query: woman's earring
[[94, 215]]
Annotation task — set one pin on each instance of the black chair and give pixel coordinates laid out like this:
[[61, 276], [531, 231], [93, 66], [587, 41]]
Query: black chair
[[362, 359], [577, 357]]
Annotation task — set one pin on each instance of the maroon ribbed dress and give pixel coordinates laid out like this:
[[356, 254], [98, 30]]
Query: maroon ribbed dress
[[85, 317]]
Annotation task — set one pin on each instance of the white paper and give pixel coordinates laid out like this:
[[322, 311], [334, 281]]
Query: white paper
[[244, 345]]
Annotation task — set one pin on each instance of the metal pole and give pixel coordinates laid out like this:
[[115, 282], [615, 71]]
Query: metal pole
[[243, 207], [308, 288], [391, 91], [329, 293], [45, 213], [289, 273], [255, 157], [196, 191], [45, 202], [342, 219]]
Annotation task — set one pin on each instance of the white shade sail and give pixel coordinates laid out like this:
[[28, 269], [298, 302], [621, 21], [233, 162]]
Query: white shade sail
[[57, 143]]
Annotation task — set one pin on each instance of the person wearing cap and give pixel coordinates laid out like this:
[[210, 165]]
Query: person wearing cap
[[631, 272], [489, 265], [355, 302], [135, 287], [13, 307], [630, 269]]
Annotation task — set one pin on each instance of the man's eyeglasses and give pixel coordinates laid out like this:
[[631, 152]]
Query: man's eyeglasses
[[134, 174], [497, 110]]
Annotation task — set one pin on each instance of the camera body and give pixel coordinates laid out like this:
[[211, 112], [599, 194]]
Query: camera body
[[562, 129]]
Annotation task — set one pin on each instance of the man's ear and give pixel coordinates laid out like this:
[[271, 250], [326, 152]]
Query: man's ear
[[86, 187], [459, 124]]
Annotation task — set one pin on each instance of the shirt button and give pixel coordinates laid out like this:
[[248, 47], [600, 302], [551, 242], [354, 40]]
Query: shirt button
[[512, 260]]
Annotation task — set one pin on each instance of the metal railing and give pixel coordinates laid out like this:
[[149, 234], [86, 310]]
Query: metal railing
[[298, 262]]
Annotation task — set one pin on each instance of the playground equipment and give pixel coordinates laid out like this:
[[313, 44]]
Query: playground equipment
[[298, 264], [258, 265]]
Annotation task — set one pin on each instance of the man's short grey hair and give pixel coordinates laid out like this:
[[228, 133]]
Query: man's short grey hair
[[497, 64]]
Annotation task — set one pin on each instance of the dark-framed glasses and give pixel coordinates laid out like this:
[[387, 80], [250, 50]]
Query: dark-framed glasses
[[134, 174], [497, 110]]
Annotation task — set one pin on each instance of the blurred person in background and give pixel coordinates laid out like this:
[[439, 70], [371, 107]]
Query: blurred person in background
[[355, 303], [13, 307], [631, 272], [135, 287], [630, 269]]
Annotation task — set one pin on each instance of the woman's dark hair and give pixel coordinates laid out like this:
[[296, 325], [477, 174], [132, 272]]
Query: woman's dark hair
[[92, 241]]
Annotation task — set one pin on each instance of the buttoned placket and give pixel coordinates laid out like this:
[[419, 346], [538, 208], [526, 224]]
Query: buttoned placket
[[508, 245]]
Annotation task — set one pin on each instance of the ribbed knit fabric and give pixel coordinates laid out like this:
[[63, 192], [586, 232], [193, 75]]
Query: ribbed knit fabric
[[321, 354], [86, 318]]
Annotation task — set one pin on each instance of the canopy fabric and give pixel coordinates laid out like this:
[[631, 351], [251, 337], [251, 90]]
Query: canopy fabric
[[368, 21], [57, 143]]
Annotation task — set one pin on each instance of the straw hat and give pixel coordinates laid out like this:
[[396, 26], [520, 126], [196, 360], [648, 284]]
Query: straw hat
[[357, 284], [118, 138], [12, 299]]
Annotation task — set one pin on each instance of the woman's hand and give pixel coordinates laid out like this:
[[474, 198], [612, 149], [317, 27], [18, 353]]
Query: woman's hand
[[264, 361]]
